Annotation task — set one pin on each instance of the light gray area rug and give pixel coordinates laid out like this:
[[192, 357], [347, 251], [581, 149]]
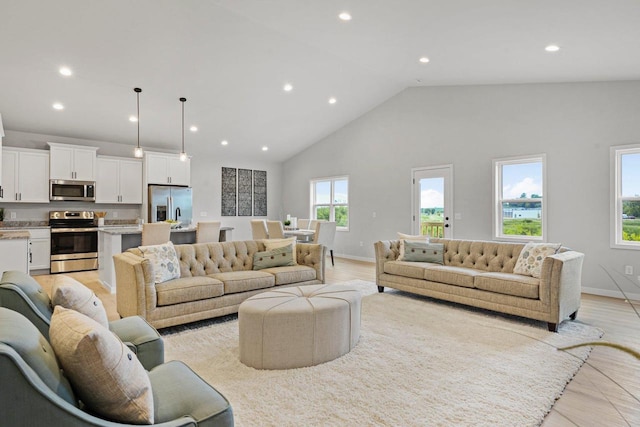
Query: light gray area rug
[[418, 362]]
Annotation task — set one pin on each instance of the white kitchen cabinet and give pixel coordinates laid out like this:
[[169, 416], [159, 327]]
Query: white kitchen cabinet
[[15, 254], [119, 180], [72, 162], [25, 175], [1, 136], [40, 248], [167, 169]]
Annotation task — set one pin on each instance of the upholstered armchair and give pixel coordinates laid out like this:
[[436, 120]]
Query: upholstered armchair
[[36, 392], [22, 293]]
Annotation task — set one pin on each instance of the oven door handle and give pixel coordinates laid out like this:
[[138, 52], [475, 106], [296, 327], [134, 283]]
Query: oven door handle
[[73, 230]]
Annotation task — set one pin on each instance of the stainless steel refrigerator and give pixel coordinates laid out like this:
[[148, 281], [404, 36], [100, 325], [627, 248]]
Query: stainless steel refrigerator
[[170, 202]]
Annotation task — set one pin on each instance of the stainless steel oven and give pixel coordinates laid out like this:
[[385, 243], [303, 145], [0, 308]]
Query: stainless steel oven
[[74, 241]]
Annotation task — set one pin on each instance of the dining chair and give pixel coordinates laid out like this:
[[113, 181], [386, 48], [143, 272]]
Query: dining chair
[[303, 224], [156, 233], [208, 231], [325, 235], [259, 229], [275, 230]]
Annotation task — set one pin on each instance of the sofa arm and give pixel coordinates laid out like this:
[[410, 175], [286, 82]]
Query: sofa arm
[[135, 288], [312, 255], [562, 275], [385, 250]]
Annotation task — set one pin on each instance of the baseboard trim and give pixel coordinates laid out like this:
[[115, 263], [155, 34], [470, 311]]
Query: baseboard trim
[[611, 294]]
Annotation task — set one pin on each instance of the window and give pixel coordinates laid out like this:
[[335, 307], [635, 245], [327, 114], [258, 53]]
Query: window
[[330, 200], [625, 209], [519, 208]]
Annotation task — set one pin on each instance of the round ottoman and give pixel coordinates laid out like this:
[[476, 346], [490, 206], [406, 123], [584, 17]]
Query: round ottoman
[[298, 326]]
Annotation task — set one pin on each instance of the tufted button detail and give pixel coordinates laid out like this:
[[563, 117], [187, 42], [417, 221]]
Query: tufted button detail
[[129, 356]]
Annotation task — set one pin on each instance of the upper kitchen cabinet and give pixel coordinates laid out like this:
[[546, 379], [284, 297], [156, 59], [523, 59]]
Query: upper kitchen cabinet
[[1, 136], [167, 169], [25, 175], [72, 162], [119, 180]]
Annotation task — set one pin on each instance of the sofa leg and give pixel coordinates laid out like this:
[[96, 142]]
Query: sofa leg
[[331, 252], [380, 289], [573, 315], [553, 327]]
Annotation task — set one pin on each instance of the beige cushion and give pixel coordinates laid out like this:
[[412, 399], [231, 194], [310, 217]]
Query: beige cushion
[[509, 284], [529, 262], [69, 293], [242, 281], [104, 372], [459, 276], [270, 244], [291, 275], [164, 260], [279, 257], [406, 269], [188, 289]]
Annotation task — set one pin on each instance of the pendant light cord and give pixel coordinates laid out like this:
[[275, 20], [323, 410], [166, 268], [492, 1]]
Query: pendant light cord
[[182, 100]]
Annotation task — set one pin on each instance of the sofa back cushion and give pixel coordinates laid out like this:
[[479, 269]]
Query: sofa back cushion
[[481, 255], [201, 259]]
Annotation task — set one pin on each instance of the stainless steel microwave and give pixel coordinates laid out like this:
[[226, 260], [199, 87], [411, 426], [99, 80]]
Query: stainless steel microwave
[[72, 190]]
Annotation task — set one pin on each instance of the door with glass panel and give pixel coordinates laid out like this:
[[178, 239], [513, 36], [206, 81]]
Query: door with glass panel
[[433, 201], [330, 200]]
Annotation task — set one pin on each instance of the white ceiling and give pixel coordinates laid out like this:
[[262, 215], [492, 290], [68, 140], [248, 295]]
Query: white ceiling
[[231, 58]]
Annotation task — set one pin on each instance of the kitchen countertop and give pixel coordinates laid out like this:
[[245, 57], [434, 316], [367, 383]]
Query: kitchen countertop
[[137, 229], [14, 235]]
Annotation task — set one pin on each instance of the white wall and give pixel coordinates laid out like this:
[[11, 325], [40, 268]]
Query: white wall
[[468, 126], [205, 181]]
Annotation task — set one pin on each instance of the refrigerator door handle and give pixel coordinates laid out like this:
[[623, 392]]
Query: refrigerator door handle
[[170, 207]]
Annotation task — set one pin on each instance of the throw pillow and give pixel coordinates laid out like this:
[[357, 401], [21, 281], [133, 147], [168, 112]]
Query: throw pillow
[[164, 260], [270, 244], [404, 237], [529, 262], [278, 257], [69, 293], [104, 372], [424, 252]]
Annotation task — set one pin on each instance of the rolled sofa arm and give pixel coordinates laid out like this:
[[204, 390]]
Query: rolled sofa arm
[[312, 255], [565, 283], [385, 250], [135, 289]]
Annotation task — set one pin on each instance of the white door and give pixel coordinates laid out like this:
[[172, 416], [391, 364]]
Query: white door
[[433, 201]]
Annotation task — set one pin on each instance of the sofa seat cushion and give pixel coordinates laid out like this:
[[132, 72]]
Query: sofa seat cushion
[[458, 276], [414, 270], [187, 289], [242, 281], [509, 284], [294, 274]]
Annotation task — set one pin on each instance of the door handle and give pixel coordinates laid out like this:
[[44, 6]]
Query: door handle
[[446, 225]]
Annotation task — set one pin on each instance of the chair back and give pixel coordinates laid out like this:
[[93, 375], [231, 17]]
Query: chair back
[[303, 224], [275, 230], [259, 229], [155, 233], [20, 292], [208, 231], [325, 233]]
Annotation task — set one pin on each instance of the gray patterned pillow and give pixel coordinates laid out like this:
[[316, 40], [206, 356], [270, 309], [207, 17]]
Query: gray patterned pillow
[[423, 252], [164, 260]]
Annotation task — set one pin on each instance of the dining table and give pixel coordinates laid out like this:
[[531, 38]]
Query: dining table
[[300, 234]]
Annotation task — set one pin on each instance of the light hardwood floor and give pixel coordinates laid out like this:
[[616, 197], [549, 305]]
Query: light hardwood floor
[[595, 397]]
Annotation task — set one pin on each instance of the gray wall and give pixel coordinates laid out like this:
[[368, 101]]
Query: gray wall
[[205, 180], [468, 126]]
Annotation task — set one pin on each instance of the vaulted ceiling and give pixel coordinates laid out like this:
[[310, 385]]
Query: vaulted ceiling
[[232, 58]]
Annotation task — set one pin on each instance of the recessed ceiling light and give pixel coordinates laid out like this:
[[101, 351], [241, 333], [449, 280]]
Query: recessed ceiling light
[[287, 87], [265, 148], [133, 119], [193, 128], [58, 106], [552, 48], [332, 100], [225, 142], [345, 16], [65, 71], [424, 60]]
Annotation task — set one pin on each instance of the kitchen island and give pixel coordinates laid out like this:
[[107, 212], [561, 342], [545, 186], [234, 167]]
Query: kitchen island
[[117, 239]]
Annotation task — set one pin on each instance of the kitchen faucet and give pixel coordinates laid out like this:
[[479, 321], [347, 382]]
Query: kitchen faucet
[[178, 212]]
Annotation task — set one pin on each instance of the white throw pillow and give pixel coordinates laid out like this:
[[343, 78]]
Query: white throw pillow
[[271, 244], [529, 262], [404, 237], [106, 374], [69, 293], [164, 259]]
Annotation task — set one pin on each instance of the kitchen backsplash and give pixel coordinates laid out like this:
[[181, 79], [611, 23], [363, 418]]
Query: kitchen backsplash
[[39, 212]]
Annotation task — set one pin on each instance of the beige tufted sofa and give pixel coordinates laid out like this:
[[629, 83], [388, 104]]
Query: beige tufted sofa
[[214, 279], [480, 274]]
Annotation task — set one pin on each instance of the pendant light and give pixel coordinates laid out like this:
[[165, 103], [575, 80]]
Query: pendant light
[[183, 154], [138, 151]]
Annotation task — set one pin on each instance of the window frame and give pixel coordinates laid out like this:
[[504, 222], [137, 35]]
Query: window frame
[[331, 204], [498, 200], [615, 208]]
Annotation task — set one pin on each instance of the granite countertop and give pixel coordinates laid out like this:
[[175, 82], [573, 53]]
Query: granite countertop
[[20, 225], [137, 229], [14, 235]]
